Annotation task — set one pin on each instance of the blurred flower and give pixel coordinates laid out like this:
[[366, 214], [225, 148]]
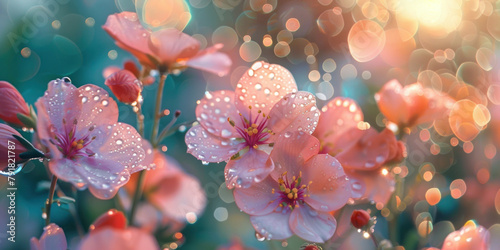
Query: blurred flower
[[238, 126], [297, 196], [10, 146], [87, 145], [470, 236], [12, 103], [171, 190], [53, 238], [125, 86], [130, 66], [110, 232], [236, 244], [310, 247], [166, 49], [360, 218], [361, 150], [413, 104]]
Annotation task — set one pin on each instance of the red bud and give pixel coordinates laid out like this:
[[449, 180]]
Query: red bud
[[360, 218], [113, 218], [12, 103]]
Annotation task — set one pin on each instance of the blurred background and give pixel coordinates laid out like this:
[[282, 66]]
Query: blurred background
[[447, 45]]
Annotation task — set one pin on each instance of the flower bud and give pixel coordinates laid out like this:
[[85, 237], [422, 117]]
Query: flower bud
[[360, 218], [311, 247], [12, 103], [125, 86], [113, 219], [10, 149], [52, 238]]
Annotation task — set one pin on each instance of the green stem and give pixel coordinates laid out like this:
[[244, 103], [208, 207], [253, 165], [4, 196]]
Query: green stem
[[140, 120], [48, 203], [137, 196], [372, 236], [157, 114]]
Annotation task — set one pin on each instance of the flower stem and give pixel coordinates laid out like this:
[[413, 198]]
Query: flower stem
[[48, 203], [137, 196], [157, 114], [372, 236], [140, 119]]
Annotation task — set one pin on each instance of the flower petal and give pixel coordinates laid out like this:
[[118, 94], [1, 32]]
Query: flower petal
[[311, 225], [337, 117], [213, 111], [207, 147], [52, 238], [171, 45], [130, 35], [259, 199], [212, 61], [330, 188], [470, 236], [371, 151], [110, 239], [272, 226], [262, 86], [108, 71], [254, 166], [438, 106], [291, 151], [295, 112], [97, 107], [392, 104], [371, 185]]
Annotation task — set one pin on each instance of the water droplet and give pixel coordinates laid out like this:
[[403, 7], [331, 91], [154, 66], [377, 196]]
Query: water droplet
[[119, 142], [288, 134], [226, 133], [84, 99], [258, 86], [259, 236]]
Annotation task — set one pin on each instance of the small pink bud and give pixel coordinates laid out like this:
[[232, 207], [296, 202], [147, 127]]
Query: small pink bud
[[10, 147], [12, 103], [360, 218], [125, 86], [113, 219]]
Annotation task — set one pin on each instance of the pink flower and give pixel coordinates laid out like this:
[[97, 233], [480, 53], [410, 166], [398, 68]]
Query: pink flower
[[470, 236], [239, 126], [166, 49], [53, 238], [12, 103], [132, 68], [362, 153], [88, 147], [175, 193], [236, 244], [413, 104], [125, 86], [108, 232], [10, 146], [298, 195]]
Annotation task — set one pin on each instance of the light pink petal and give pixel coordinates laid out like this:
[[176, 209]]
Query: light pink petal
[[211, 60], [330, 188], [61, 101], [130, 35], [213, 111], [371, 185], [291, 151], [272, 226], [439, 106], [258, 199], [103, 177], [262, 86], [311, 225], [343, 142], [171, 45], [254, 166], [295, 112], [97, 108], [123, 145], [110, 239], [207, 147], [470, 236], [392, 104], [108, 71], [371, 151], [53, 238], [337, 117]]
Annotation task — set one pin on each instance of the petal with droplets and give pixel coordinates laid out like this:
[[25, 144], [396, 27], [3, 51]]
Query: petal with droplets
[[311, 225], [371, 185], [111, 239], [259, 199], [52, 238], [295, 112], [213, 111], [254, 166], [262, 86], [207, 147], [391, 102], [97, 108], [330, 188], [272, 226]]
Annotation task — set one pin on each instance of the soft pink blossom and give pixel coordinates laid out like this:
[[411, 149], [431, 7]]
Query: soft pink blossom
[[412, 104], [12, 103], [470, 236], [9, 146], [239, 126], [88, 147], [362, 152], [166, 49], [53, 238], [298, 195]]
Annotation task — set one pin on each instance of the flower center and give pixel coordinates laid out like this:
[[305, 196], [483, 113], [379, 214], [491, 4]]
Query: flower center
[[291, 193], [253, 131], [71, 145]]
